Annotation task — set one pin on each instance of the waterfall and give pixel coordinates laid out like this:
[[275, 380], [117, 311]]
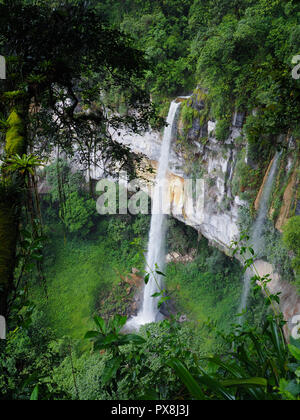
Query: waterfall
[[257, 231], [156, 254]]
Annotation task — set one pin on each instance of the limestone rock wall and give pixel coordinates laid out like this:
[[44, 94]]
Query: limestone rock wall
[[218, 221]]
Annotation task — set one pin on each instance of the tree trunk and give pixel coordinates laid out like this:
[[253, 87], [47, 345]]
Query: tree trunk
[[9, 211], [8, 241]]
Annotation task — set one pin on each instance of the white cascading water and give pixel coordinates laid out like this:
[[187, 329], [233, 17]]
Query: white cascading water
[[257, 231], [156, 255]]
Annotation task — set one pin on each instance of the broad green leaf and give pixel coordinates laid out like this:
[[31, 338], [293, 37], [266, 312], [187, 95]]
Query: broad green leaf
[[292, 388], [102, 343], [119, 322], [214, 386], [234, 371], [91, 334], [131, 339], [156, 294], [188, 380], [295, 342], [246, 382], [147, 278], [110, 370], [160, 273], [35, 394], [294, 351], [109, 339], [100, 323]]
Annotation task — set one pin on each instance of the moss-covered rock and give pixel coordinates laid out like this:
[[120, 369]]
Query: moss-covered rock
[[15, 138], [9, 202]]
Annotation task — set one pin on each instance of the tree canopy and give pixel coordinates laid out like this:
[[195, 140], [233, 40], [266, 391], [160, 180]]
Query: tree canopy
[[61, 59]]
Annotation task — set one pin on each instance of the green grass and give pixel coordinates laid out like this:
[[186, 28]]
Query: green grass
[[205, 296], [76, 272]]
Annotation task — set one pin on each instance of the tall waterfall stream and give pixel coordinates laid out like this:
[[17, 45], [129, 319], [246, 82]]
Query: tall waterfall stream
[[156, 254]]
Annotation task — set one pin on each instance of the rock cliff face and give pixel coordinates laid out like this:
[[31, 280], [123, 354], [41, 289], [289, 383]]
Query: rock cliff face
[[216, 163], [289, 299], [218, 221]]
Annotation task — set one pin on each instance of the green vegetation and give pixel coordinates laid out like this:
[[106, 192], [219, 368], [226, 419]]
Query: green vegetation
[[78, 214], [239, 375], [80, 270], [248, 179], [291, 237], [75, 273], [241, 51], [76, 70], [72, 58], [289, 160], [277, 253], [209, 288], [223, 129], [188, 115]]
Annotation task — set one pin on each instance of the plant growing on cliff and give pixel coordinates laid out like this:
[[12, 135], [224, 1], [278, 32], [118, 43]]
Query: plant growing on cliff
[[223, 129], [291, 237]]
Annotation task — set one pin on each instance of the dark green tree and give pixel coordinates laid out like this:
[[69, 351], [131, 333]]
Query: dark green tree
[[61, 57]]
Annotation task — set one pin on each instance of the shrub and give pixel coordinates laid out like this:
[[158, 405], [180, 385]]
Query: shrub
[[60, 172], [78, 215], [291, 238], [291, 234], [223, 130], [188, 114]]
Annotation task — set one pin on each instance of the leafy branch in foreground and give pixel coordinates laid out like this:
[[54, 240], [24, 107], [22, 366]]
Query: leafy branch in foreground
[[154, 274], [256, 364], [259, 366], [108, 337]]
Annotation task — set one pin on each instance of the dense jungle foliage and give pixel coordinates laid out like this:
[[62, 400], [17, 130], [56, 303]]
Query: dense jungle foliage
[[76, 70], [240, 50]]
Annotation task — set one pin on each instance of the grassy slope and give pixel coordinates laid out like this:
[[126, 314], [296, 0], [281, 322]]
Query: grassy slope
[[76, 271], [73, 282]]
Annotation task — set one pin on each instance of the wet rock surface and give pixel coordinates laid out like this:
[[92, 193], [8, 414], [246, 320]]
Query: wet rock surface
[[124, 298]]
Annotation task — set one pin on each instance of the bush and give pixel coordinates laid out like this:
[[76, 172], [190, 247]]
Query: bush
[[188, 114], [78, 215], [59, 172], [291, 234], [276, 252], [222, 130], [291, 238]]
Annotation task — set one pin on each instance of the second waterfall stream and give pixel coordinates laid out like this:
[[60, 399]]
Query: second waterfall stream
[[156, 254], [257, 231]]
